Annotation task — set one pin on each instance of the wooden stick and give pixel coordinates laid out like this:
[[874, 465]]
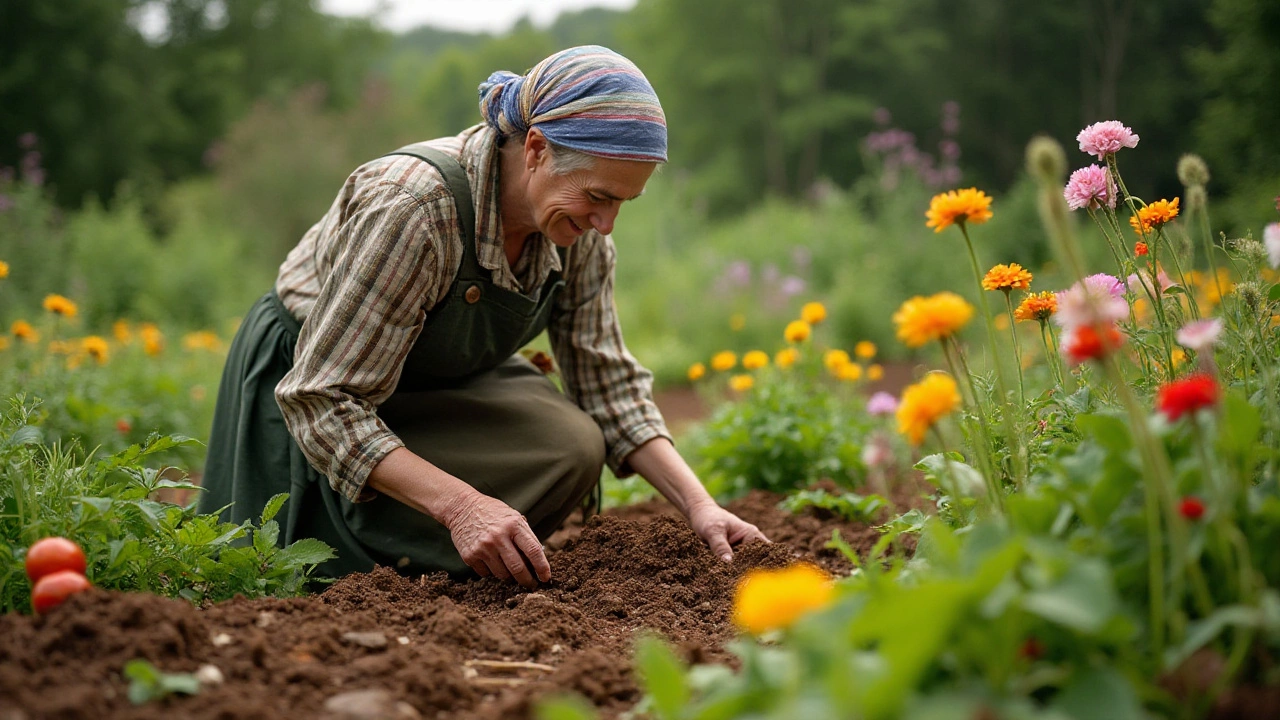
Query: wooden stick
[[499, 682], [503, 665]]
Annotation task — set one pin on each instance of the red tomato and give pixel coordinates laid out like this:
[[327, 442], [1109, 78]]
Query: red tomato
[[52, 589], [53, 554]]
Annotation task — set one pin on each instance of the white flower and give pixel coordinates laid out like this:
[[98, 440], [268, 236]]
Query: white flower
[[1200, 335]]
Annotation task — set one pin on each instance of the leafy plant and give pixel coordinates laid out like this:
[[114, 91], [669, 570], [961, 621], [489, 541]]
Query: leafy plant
[[147, 683], [850, 506]]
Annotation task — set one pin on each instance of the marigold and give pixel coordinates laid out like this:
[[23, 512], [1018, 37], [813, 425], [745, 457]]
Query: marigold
[[96, 347], [59, 305], [1187, 395], [786, 357], [925, 403], [1007, 277], [1154, 215], [22, 330], [696, 371], [850, 371], [797, 331], [768, 599], [1037, 306], [875, 372], [724, 360], [865, 349], [4, 269], [755, 360], [813, 313], [958, 207], [833, 360], [921, 320], [742, 383]]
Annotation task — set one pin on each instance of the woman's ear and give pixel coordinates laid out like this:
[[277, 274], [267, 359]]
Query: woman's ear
[[536, 149]]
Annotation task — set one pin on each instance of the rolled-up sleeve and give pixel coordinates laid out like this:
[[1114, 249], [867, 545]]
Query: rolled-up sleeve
[[365, 319], [599, 373]]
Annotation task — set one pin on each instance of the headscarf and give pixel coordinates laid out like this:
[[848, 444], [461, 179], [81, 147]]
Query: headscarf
[[587, 98]]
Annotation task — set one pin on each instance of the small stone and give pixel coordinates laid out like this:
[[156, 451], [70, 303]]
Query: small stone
[[469, 673], [222, 640], [556, 648], [402, 640], [372, 640], [264, 619], [209, 675], [403, 562], [370, 705]]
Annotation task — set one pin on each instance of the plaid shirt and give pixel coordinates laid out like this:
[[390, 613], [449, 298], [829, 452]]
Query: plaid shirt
[[363, 279]]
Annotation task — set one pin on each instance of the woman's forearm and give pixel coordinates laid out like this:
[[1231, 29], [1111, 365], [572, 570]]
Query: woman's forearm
[[420, 485], [658, 462]]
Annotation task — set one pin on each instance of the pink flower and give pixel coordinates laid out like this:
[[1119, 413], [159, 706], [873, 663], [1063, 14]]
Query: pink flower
[[1092, 301], [1200, 335], [1105, 138], [1142, 278], [882, 403], [1271, 236], [1090, 187]]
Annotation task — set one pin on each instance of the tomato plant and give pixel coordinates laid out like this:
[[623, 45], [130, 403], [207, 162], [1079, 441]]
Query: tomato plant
[[52, 589], [53, 554]]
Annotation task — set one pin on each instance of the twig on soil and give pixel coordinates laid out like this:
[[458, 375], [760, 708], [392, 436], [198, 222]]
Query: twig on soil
[[507, 666], [499, 682]]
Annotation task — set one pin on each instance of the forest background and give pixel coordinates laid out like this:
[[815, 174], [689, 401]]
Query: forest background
[[162, 178]]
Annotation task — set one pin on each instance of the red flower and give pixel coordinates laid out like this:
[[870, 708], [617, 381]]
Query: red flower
[[1191, 508], [1140, 248], [123, 426], [1187, 395], [1091, 342]]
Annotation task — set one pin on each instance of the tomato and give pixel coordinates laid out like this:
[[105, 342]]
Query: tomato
[[53, 554], [52, 589]]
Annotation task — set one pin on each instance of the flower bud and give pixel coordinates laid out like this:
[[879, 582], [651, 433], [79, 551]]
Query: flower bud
[[1046, 160], [1192, 171]]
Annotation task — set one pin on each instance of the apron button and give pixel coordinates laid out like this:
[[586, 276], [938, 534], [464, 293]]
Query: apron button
[[473, 294]]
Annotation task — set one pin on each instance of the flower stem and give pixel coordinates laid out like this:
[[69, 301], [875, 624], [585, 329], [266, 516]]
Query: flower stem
[[1017, 349]]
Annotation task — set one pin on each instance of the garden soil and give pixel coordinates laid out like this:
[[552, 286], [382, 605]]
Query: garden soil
[[380, 645]]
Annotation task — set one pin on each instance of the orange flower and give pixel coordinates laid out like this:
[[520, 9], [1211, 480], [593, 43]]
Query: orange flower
[[1006, 278], [1140, 248], [925, 403], [875, 372], [769, 599], [152, 338], [922, 319], [850, 371], [865, 349], [833, 360], [742, 383], [797, 331], [122, 332], [96, 347], [755, 360], [958, 207], [4, 269], [1154, 215], [59, 305], [724, 360], [22, 330], [813, 313], [1037, 306], [786, 358], [696, 371]]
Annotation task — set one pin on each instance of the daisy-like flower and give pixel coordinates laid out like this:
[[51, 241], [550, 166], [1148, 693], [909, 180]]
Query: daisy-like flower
[[882, 403], [23, 330], [850, 371], [724, 360], [865, 349], [59, 305], [958, 207], [1091, 342], [921, 320], [1090, 302], [797, 331], [696, 372], [813, 313], [925, 403], [768, 599], [96, 347], [755, 360], [1090, 187], [1200, 335], [786, 357], [1106, 138], [1037, 306], [1153, 216], [1006, 278], [1271, 238], [1187, 395], [833, 360], [742, 383]]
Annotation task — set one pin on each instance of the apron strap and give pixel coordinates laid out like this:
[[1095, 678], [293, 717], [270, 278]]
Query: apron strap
[[456, 179]]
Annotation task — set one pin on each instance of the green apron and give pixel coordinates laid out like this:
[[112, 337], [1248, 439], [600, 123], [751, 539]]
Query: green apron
[[466, 402]]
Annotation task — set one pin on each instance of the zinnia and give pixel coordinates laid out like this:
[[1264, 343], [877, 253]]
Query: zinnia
[[723, 360], [813, 313], [59, 305], [697, 371], [1187, 395], [1037, 306], [1106, 138], [742, 383], [1090, 187], [925, 403], [958, 207], [797, 331], [1154, 215], [755, 360], [1007, 277], [768, 599], [1091, 342], [921, 320]]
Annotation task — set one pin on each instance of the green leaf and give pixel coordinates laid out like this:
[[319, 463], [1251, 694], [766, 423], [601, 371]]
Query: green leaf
[[1204, 631], [1083, 599], [1108, 431], [565, 707], [1241, 424], [307, 551], [1099, 694], [663, 676], [942, 469], [25, 435], [1274, 293], [273, 507]]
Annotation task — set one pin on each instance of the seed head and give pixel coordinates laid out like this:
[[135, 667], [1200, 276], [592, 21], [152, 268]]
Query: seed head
[[1251, 295], [1197, 198], [1046, 160], [1252, 251], [1193, 171]]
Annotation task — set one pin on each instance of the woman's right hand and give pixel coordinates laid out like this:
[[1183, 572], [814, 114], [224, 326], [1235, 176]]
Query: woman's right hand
[[496, 540]]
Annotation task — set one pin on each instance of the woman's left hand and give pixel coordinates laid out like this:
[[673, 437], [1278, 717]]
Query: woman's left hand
[[721, 529]]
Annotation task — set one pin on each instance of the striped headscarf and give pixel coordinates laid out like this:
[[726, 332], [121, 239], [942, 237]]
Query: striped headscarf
[[587, 98]]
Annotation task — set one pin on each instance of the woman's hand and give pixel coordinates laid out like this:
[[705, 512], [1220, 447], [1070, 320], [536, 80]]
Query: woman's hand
[[721, 529], [496, 540]]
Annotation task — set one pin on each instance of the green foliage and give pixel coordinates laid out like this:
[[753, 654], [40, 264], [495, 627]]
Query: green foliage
[[850, 506], [146, 683], [132, 540]]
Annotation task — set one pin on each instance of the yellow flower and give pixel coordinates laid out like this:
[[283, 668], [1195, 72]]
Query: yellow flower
[[875, 372], [786, 358], [1006, 278], [1037, 306], [813, 313], [696, 371], [865, 349], [60, 306], [1179, 356], [96, 347], [925, 403], [724, 360], [152, 339], [4, 269], [1154, 215], [850, 371], [774, 599], [4, 343], [201, 340], [755, 360], [797, 331], [922, 319], [122, 332], [737, 321], [742, 383], [833, 360], [958, 207], [22, 330]]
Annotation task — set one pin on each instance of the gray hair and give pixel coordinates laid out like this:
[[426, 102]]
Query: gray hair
[[567, 160]]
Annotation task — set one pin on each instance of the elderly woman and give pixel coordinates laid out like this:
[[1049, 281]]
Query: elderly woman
[[379, 383]]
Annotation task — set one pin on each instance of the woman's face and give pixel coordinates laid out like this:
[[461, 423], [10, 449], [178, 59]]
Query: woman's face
[[566, 206]]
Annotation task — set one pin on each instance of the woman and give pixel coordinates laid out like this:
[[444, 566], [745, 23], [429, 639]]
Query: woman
[[379, 383]]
